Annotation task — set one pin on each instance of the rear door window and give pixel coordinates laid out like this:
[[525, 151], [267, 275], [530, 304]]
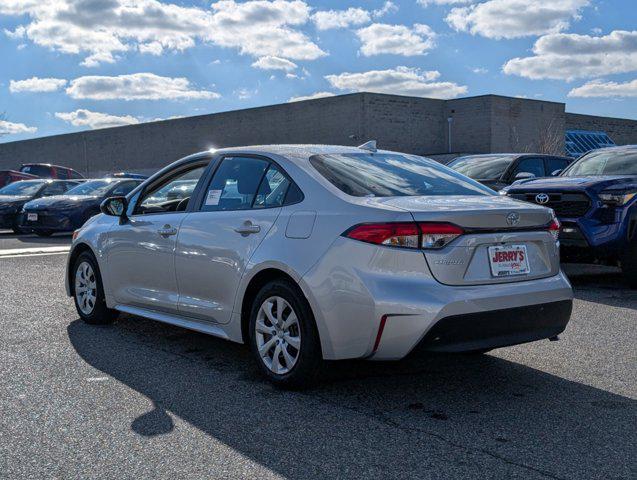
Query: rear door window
[[393, 175], [235, 184], [273, 189]]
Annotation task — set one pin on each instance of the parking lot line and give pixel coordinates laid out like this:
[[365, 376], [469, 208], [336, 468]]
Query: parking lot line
[[19, 252]]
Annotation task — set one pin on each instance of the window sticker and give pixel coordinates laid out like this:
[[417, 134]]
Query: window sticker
[[213, 197]]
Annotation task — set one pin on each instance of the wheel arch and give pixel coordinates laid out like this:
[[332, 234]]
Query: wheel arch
[[257, 281], [78, 250]]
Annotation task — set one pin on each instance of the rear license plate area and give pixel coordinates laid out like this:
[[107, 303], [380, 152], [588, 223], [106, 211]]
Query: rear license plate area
[[508, 260]]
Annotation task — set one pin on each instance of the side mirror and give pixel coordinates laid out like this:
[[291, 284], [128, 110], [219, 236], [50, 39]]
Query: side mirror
[[555, 173], [115, 207], [524, 175]]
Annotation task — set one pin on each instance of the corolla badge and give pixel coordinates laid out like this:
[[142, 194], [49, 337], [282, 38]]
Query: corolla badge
[[542, 198], [513, 219]]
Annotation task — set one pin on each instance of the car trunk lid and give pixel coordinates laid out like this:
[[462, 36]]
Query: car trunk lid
[[487, 221]]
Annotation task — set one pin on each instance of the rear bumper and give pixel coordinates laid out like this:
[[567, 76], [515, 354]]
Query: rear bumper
[[497, 328]]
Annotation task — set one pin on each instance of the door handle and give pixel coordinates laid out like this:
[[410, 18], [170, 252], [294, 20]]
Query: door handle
[[247, 228], [167, 231]]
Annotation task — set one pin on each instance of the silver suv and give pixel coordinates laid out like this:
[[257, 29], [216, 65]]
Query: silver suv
[[324, 252]]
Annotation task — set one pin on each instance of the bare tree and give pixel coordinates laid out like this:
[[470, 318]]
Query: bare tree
[[550, 140]]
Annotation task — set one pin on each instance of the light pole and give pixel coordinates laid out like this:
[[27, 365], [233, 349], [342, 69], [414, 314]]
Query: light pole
[[449, 121]]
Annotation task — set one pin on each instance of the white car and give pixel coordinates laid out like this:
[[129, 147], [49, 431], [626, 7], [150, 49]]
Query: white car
[[324, 252]]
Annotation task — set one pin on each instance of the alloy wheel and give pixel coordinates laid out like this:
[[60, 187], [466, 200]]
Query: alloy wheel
[[85, 288], [278, 335]]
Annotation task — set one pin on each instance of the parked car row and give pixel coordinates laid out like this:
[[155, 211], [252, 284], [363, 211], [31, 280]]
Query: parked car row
[[46, 206], [595, 199]]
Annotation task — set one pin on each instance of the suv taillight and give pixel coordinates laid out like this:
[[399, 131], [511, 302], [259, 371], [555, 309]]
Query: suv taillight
[[426, 235]]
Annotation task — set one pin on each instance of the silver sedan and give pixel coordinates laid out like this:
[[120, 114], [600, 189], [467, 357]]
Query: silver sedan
[[311, 253]]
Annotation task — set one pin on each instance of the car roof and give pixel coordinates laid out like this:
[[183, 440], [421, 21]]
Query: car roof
[[45, 165], [512, 155], [617, 148], [299, 153]]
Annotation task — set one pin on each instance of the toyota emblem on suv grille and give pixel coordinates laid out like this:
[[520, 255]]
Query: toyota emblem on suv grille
[[513, 219], [542, 198]]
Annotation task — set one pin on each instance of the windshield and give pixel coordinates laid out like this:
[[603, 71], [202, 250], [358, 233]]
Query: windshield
[[25, 188], [604, 162], [482, 167], [94, 188], [393, 175]]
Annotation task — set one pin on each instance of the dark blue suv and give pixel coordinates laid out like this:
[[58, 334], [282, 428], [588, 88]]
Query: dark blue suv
[[595, 198]]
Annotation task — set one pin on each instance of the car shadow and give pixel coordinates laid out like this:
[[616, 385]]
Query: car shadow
[[440, 416], [601, 284]]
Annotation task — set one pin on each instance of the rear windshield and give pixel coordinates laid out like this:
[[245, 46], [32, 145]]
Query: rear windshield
[[489, 167], [604, 163], [39, 170], [393, 175]]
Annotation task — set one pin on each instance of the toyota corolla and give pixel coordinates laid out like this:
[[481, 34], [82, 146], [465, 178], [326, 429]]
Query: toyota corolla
[[309, 253]]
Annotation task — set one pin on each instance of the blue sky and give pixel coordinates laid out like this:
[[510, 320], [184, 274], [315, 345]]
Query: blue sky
[[71, 65]]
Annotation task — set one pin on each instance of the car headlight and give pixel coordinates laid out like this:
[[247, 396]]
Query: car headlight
[[617, 198]]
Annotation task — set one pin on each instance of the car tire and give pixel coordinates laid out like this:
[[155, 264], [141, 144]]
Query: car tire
[[88, 291], [629, 264], [285, 344]]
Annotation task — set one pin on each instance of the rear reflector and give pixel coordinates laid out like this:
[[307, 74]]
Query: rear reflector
[[406, 234]]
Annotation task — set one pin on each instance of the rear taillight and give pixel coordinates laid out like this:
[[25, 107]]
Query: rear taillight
[[438, 235], [391, 234], [554, 228], [407, 235]]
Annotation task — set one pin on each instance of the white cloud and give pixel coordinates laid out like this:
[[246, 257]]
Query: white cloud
[[102, 30], [245, 93], [380, 38], [137, 86], [329, 19], [10, 128], [598, 88], [515, 18], [311, 97], [426, 3], [388, 7], [36, 84], [87, 118], [480, 70], [568, 56], [274, 63], [398, 81], [259, 28]]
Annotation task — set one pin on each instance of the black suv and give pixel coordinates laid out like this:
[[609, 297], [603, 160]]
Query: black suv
[[497, 170]]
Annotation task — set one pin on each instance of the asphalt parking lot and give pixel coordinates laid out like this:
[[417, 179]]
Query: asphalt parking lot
[[141, 399]]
